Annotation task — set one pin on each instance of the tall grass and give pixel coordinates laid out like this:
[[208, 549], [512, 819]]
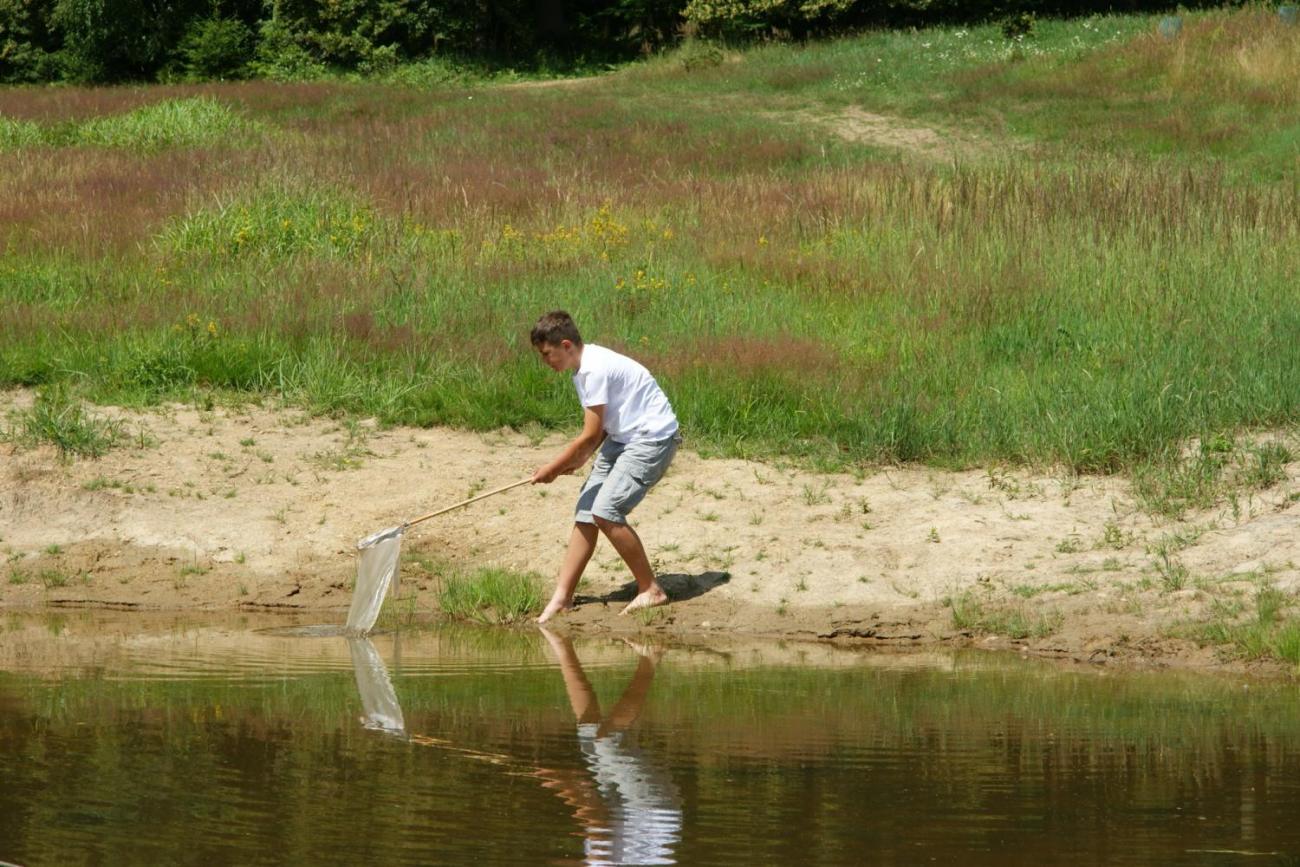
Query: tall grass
[[191, 122], [383, 251]]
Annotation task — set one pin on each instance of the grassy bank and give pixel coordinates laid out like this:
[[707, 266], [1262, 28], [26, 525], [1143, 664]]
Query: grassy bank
[[382, 251]]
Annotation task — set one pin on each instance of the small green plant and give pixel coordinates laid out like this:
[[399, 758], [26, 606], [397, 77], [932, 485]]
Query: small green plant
[[351, 453], [1113, 537], [57, 419], [1071, 544], [53, 550], [815, 496], [650, 616], [52, 578], [1172, 573], [1269, 633], [1266, 465], [933, 535], [971, 614], [490, 595]]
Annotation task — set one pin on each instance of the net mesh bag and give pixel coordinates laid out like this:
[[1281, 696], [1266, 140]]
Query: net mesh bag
[[376, 575]]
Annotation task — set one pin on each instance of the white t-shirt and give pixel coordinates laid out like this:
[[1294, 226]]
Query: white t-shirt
[[636, 408]]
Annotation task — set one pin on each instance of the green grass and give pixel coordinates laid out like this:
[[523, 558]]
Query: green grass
[[490, 596], [59, 420], [53, 578], [381, 251], [192, 122], [1171, 484], [1271, 631], [970, 613]]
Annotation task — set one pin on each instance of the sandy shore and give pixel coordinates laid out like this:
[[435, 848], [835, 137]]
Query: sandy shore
[[260, 509]]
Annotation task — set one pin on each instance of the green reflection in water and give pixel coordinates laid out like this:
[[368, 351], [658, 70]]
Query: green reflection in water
[[188, 746]]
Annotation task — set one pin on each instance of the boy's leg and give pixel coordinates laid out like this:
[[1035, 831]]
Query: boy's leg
[[582, 544], [637, 469], [628, 545], [582, 541]]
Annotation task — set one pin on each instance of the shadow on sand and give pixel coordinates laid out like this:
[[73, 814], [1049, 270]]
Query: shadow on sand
[[678, 585]]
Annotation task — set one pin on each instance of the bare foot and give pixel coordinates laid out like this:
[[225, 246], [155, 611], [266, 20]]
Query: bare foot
[[647, 599], [554, 607]]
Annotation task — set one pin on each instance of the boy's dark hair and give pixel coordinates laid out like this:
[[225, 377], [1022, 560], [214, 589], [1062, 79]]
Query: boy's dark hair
[[553, 327]]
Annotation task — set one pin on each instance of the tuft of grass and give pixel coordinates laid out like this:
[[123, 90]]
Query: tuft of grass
[[650, 616], [490, 595], [1071, 544], [1269, 632], [1266, 466], [277, 221], [16, 133], [1216, 470], [168, 123], [1173, 574], [52, 578], [970, 613], [815, 495], [1113, 537], [349, 454], [58, 419]]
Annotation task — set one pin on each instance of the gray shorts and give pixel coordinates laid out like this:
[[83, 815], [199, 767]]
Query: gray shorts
[[622, 475]]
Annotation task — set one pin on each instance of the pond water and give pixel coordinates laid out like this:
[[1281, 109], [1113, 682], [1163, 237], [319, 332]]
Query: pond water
[[157, 740]]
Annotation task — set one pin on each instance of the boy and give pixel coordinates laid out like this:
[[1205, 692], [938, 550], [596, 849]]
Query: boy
[[629, 419]]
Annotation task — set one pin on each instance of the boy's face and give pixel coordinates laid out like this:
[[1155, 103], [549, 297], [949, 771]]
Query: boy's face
[[560, 356]]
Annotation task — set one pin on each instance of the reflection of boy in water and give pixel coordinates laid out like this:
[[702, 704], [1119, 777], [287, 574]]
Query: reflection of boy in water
[[632, 814]]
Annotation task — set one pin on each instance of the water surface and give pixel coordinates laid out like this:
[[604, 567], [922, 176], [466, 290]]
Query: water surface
[[153, 740]]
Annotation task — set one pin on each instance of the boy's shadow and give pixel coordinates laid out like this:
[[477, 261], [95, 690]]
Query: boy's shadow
[[678, 585]]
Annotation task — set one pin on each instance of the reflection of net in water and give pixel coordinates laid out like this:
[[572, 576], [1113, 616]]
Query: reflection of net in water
[[378, 699], [376, 574]]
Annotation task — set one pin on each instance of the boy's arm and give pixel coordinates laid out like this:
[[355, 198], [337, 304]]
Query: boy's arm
[[576, 453]]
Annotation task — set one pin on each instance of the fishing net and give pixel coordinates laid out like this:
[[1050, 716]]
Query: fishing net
[[376, 576]]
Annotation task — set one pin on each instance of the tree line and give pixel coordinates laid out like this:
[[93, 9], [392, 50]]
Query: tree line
[[108, 41]]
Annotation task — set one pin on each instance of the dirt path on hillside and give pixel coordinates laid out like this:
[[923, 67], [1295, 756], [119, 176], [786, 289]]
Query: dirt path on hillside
[[260, 509], [853, 123], [946, 144]]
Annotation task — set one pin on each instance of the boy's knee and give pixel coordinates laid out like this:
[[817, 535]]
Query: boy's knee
[[605, 524]]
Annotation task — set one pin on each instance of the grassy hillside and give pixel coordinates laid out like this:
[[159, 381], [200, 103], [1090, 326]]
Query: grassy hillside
[[938, 245]]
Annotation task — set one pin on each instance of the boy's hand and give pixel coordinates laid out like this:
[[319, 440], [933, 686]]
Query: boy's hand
[[545, 475]]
